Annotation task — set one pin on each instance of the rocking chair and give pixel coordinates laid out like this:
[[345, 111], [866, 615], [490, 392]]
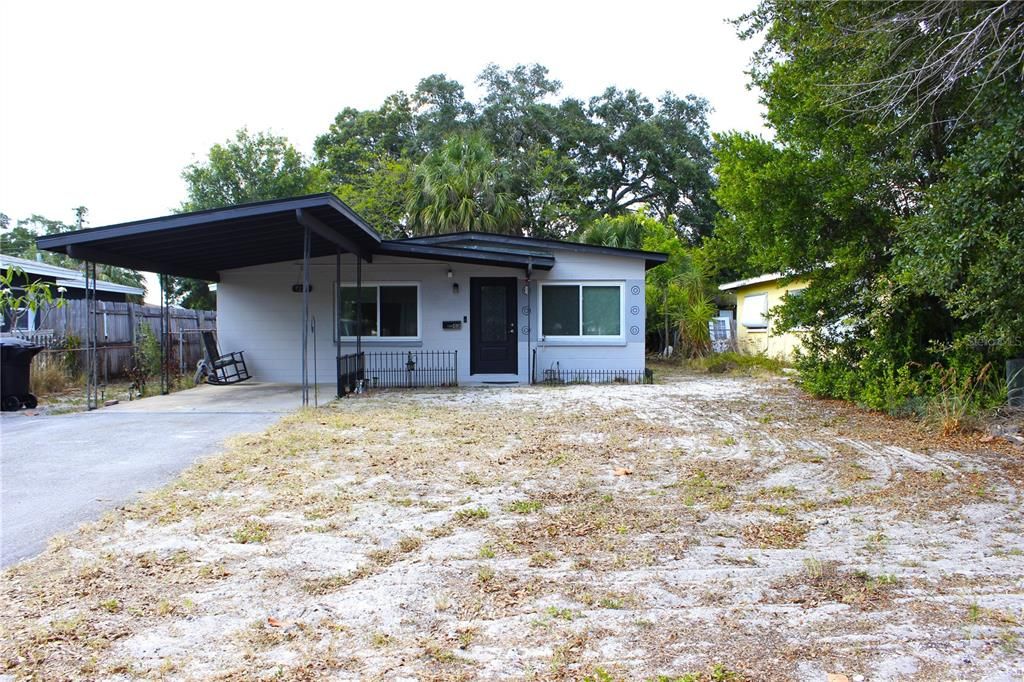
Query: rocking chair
[[220, 369]]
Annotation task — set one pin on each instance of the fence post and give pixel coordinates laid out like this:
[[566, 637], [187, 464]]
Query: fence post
[[131, 325]]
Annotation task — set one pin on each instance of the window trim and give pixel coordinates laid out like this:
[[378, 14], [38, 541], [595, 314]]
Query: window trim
[[755, 328], [581, 337], [374, 338]]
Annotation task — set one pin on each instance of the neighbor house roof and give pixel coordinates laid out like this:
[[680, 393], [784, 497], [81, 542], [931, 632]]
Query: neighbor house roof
[[65, 277], [760, 279], [770, 277], [203, 243]]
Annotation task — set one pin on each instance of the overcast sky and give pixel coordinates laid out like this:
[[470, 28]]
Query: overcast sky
[[103, 103]]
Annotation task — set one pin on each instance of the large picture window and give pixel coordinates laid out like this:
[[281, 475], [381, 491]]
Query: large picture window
[[388, 311], [581, 310]]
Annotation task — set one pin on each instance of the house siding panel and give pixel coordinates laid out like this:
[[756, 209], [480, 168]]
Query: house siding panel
[[259, 313]]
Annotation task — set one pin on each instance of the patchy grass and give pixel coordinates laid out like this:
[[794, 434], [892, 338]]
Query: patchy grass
[[823, 582], [577, 532], [787, 534], [525, 506], [252, 532]]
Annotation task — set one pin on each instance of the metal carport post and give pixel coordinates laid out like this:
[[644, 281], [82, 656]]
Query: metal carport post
[[311, 224]]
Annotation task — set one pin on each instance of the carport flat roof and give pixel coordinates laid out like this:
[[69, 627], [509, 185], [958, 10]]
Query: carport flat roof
[[203, 243]]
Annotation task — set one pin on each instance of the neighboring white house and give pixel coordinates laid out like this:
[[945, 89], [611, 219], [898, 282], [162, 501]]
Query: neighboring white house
[[500, 309], [69, 283]]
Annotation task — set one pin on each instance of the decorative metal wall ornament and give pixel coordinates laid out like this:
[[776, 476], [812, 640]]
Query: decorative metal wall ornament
[[635, 310], [634, 330], [635, 290]]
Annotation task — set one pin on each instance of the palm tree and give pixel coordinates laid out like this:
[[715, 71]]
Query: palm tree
[[625, 231], [680, 296], [461, 186]]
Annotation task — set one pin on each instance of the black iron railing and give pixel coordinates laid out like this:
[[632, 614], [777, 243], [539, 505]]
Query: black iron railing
[[398, 369], [350, 372], [411, 369], [597, 376]]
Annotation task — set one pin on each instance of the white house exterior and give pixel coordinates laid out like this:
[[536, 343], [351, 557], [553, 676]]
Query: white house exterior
[[483, 308], [262, 298]]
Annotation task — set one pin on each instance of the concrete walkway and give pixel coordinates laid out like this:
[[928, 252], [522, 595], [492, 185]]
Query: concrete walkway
[[58, 471]]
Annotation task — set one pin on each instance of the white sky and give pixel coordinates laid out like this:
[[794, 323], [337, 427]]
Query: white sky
[[103, 103]]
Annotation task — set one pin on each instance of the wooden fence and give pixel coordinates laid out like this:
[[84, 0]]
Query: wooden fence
[[64, 331]]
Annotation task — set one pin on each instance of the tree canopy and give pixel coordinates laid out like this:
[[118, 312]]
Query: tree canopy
[[894, 179], [562, 163], [20, 241], [250, 167]]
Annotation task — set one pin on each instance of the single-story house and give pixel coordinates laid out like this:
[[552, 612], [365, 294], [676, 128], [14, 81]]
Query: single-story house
[[71, 284], [305, 284], [755, 299]]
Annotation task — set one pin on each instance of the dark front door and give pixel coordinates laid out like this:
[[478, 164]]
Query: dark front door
[[493, 347]]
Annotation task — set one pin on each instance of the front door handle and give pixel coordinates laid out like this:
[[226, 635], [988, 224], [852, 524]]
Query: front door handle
[[512, 330]]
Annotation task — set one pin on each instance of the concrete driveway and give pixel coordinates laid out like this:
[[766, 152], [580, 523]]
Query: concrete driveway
[[58, 471]]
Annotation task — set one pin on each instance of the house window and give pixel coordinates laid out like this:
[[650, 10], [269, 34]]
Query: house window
[[19, 319], [755, 312], [581, 310], [389, 311]]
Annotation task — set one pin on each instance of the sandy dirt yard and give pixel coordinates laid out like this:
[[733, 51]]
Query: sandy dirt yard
[[703, 528]]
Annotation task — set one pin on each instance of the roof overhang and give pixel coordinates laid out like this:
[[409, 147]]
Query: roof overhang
[[459, 255], [526, 245], [203, 243]]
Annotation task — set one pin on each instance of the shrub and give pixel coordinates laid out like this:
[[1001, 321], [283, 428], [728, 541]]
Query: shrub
[[733, 361], [49, 376]]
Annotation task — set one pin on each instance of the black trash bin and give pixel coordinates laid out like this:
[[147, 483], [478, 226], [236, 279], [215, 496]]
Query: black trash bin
[[15, 364]]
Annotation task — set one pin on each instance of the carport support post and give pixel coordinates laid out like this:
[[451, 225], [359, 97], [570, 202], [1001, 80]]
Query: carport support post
[[165, 380], [359, 308], [337, 318], [305, 314], [91, 388]]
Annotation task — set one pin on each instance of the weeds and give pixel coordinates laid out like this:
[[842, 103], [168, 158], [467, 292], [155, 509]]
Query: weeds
[[962, 395], [734, 362], [525, 506], [783, 535], [50, 377], [252, 532], [825, 581], [468, 516]]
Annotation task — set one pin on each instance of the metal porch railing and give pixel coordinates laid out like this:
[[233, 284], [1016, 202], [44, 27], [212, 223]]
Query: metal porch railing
[[398, 369], [597, 376]]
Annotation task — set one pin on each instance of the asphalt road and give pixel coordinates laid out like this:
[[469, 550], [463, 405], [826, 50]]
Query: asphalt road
[[58, 471]]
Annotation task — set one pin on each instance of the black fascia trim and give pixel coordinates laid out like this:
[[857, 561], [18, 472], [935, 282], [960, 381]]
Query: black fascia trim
[[655, 257], [475, 256], [196, 218]]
